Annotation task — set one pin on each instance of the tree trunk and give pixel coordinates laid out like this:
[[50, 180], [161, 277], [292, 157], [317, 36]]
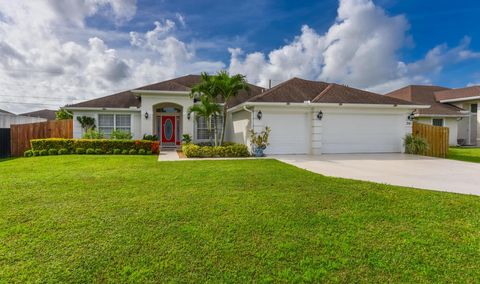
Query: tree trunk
[[215, 130], [208, 120], [222, 139]]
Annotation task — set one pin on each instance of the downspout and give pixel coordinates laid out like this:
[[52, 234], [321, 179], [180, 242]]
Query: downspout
[[251, 117]]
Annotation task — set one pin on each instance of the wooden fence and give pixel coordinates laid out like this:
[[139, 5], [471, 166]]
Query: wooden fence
[[21, 134], [436, 136]]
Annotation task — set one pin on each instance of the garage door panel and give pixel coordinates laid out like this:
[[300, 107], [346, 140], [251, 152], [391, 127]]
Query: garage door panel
[[290, 133]]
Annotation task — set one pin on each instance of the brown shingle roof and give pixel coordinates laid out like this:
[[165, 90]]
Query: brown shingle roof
[[425, 95], [119, 100], [460, 93], [44, 113], [298, 90], [5, 112]]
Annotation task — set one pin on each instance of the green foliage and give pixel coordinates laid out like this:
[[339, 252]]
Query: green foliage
[[125, 152], [90, 151], [464, 154], [117, 151], [150, 137], [209, 111], [80, 151], [63, 151], [63, 114], [43, 152], [109, 152], [52, 152], [36, 153], [415, 145], [103, 144], [141, 152], [28, 153], [231, 150], [260, 140], [149, 152], [186, 139], [99, 151], [93, 134], [132, 152], [86, 122], [121, 135]]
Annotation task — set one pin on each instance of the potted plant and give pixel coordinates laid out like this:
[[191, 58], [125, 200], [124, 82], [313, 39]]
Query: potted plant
[[259, 141]]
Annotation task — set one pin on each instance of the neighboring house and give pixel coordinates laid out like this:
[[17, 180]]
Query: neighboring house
[[452, 108], [44, 113], [8, 118], [305, 117]]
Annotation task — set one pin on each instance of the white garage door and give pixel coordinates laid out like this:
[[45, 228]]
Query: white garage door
[[362, 133], [289, 133]]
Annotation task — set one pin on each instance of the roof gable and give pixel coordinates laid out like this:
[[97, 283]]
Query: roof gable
[[44, 113]]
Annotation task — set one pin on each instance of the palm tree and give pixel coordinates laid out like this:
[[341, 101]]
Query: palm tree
[[227, 87], [209, 111]]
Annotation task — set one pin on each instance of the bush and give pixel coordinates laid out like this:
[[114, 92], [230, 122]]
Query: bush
[[120, 135], [28, 153], [117, 151], [36, 153], [99, 151], [43, 153], [93, 134], [415, 145], [132, 152], [80, 151], [124, 152], [230, 150], [53, 152], [104, 144], [186, 139], [63, 151], [150, 137], [155, 147], [149, 152], [141, 152], [90, 151], [109, 152]]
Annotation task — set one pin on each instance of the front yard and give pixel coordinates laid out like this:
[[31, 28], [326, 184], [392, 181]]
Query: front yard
[[464, 154], [132, 219]]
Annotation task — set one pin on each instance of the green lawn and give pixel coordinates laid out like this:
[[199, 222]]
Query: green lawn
[[464, 154], [133, 219]]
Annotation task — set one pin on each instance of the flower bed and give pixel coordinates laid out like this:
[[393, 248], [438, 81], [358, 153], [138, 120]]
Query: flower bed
[[229, 150], [60, 146]]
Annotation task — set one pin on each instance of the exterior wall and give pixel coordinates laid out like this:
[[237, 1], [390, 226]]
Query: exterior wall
[[469, 127], [453, 127], [135, 120], [241, 122], [8, 119]]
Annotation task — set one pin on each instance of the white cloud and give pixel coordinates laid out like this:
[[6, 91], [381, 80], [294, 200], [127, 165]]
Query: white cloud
[[360, 49]]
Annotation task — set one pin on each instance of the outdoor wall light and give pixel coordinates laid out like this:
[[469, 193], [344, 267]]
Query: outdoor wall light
[[320, 115], [259, 115], [146, 115], [411, 116]]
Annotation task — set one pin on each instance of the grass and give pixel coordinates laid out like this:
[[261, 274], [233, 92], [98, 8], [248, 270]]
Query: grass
[[133, 219], [464, 154]]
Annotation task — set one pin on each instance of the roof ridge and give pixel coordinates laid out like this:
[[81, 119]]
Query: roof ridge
[[330, 85], [271, 89]]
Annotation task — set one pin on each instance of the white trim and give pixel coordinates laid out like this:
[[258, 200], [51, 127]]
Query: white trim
[[460, 99], [442, 115], [102, 109], [154, 92]]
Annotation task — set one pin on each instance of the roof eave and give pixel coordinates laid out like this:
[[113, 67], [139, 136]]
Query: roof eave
[[158, 92], [102, 108], [460, 99]]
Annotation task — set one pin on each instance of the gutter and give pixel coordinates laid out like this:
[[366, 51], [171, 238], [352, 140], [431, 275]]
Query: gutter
[[460, 99], [102, 109], [153, 92]]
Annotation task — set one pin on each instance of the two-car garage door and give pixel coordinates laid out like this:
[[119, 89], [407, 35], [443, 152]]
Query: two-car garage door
[[341, 133]]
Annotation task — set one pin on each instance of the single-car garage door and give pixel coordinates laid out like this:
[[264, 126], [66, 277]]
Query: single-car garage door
[[290, 132], [362, 133]]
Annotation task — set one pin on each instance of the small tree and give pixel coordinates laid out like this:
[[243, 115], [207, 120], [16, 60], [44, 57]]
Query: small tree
[[86, 122], [208, 110], [63, 114]]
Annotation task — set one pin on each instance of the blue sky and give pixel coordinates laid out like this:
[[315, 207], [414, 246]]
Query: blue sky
[[74, 50]]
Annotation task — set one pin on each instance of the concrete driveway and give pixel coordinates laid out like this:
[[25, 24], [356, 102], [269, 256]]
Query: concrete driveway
[[396, 169]]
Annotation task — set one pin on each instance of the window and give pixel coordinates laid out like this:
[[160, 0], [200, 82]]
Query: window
[[437, 121], [202, 127], [108, 122], [474, 108]]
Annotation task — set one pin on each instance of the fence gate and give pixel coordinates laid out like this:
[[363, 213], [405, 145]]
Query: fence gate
[[4, 142], [436, 136]]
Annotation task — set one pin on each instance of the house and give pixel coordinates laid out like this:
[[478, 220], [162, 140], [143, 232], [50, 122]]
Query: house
[[305, 117], [43, 113], [8, 118], [453, 108]]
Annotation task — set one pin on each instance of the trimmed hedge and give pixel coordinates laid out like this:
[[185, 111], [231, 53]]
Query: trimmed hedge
[[229, 150], [100, 146]]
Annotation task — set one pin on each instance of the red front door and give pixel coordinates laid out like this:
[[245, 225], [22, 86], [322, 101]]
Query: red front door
[[168, 130]]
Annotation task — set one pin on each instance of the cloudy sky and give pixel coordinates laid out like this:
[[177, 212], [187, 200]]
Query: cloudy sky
[[57, 52]]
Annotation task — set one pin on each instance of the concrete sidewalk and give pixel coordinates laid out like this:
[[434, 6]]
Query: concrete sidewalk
[[396, 169]]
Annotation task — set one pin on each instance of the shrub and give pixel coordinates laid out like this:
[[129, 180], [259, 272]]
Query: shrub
[[150, 137], [36, 153], [186, 139], [53, 152], [149, 152], [132, 152], [43, 153], [230, 150], [90, 151], [109, 152], [415, 145], [28, 153], [141, 152], [63, 151], [120, 135], [104, 144], [93, 134], [99, 151], [124, 152], [117, 151], [155, 147], [80, 151]]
